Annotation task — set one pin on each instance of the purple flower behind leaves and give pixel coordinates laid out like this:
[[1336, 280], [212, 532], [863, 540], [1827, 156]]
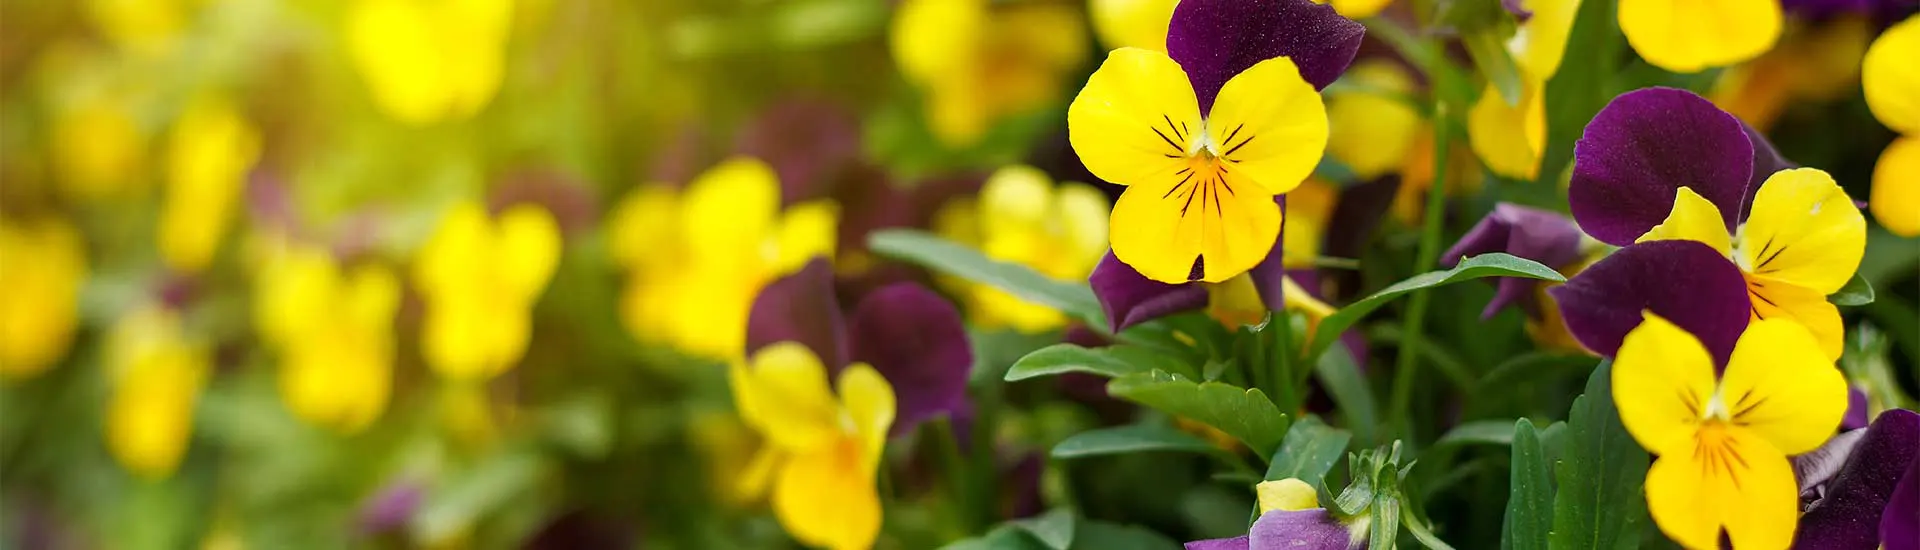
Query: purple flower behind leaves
[[1531, 233]]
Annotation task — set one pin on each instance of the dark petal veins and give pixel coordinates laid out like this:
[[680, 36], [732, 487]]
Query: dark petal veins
[[1862, 495], [916, 340], [1216, 39], [1531, 233], [1642, 148], [1685, 282], [801, 308], [1129, 298]]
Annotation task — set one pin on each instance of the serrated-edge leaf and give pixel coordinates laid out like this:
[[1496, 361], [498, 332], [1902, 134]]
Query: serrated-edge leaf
[[1130, 439], [1484, 265], [1053, 528], [1246, 414], [1529, 519], [1857, 292], [944, 256], [1308, 452], [1598, 504], [1111, 362]]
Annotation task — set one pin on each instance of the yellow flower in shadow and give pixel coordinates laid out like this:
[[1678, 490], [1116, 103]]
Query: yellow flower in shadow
[[334, 330], [480, 278], [211, 148], [1892, 82], [975, 61], [1021, 217], [695, 258], [1814, 62], [427, 61], [45, 264], [823, 451], [155, 373], [1510, 133]]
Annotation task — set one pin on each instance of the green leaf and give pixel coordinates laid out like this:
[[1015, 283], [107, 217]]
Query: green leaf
[[1422, 532], [1484, 432], [1135, 438], [1858, 292], [1245, 414], [1598, 504], [1529, 520], [1489, 52], [1054, 528], [1308, 452], [1349, 390], [1484, 265], [1582, 86], [1096, 535], [463, 500], [1004, 537], [1111, 362], [944, 256]]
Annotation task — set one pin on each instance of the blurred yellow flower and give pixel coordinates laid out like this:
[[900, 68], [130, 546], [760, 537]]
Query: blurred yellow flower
[[146, 27], [1309, 207], [156, 373], [976, 61], [1670, 35], [1021, 217], [729, 446], [1814, 62], [1372, 120], [1892, 83], [823, 452], [1509, 134], [1416, 175], [43, 264], [696, 258], [334, 330], [426, 61], [480, 278], [210, 150], [1132, 23], [99, 150], [1357, 9]]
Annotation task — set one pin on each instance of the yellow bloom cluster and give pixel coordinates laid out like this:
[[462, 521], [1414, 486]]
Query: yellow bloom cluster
[[45, 265], [1891, 78], [976, 61], [1021, 217], [427, 61], [334, 329], [156, 371], [480, 277]]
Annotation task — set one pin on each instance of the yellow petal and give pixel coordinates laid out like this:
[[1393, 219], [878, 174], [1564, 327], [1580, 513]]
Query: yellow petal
[[807, 230], [1359, 9], [1372, 128], [1693, 218], [398, 58], [1686, 37], [1895, 201], [643, 231], [157, 377], [1082, 215], [1270, 126], [1891, 79], [1803, 230], [1783, 388], [1308, 209], [823, 499], [869, 402], [729, 211], [371, 295], [1541, 41], [1134, 122], [529, 250], [46, 264], [1723, 476], [1662, 383], [1132, 23], [1778, 300], [211, 149], [1509, 138], [473, 36], [784, 396], [930, 38], [1286, 495], [1228, 223], [1015, 200], [457, 249], [292, 288]]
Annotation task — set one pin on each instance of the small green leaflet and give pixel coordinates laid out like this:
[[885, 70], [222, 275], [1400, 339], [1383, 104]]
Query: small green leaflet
[[1308, 452], [1245, 414], [1529, 520], [1111, 362], [1130, 439]]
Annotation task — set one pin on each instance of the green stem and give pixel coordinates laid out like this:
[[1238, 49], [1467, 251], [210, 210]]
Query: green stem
[[1282, 353], [1429, 253], [958, 481]]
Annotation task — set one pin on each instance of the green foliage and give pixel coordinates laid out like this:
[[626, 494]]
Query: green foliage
[[1584, 84], [1245, 414], [1130, 439], [1484, 265], [1529, 519], [1308, 452], [1858, 292], [1598, 504], [1111, 362], [944, 256]]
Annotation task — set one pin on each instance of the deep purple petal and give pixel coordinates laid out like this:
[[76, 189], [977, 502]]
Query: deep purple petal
[[1216, 39], [1236, 543], [1850, 515], [1642, 148], [1312, 529], [1531, 233], [801, 308], [1856, 417], [806, 142], [1685, 282], [1270, 275], [1130, 298], [1900, 521], [915, 339]]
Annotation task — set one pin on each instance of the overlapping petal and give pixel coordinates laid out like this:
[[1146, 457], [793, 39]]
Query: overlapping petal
[[1130, 122], [1803, 231], [1129, 298], [1734, 480], [1269, 126], [1685, 282], [1644, 146], [1858, 500], [1217, 39], [916, 340], [1208, 231], [1531, 233], [1783, 388], [800, 308], [1662, 380]]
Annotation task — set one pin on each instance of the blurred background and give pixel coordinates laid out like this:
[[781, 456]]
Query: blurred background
[[443, 273]]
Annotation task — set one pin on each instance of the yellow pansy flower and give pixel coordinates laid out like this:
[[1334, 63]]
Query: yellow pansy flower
[[823, 451], [480, 278], [977, 61], [334, 330], [43, 264], [426, 61], [156, 373], [696, 258], [1892, 82], [1199, 200], [1132, 23], [1673, 35], [211, 148], [1723, 443], [1802, 240], [1373, 128], [1021, 217], [1509, 136]]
